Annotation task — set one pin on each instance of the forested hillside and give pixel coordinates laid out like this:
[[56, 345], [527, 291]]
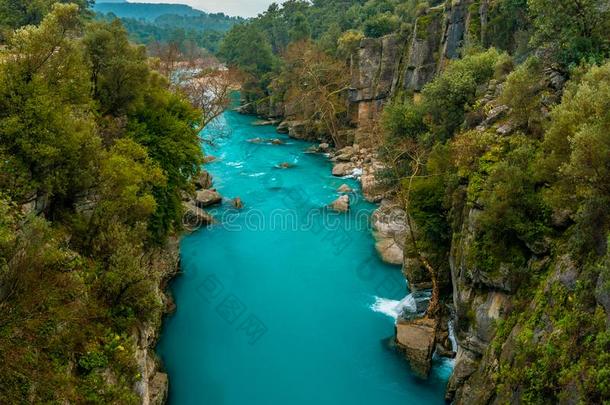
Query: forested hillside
[[164, 23], [145, 11], [491, 121], [96, 153]]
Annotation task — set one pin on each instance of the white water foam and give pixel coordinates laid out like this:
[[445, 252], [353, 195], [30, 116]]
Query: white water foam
[[454, 344], [393, 308]]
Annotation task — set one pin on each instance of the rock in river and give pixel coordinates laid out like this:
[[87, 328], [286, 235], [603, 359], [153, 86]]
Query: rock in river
[[237, 203], [206, 198], [416, 339], [194, 217], [343, 169], [204, 181], [344, 189], [341, 204]]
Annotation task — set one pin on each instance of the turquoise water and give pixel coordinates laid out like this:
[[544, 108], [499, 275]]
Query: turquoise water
[[275, 305]]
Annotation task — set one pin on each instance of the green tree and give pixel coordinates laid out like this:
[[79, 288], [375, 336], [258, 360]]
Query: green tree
[[380, 25], [17, 13], [166, 124], [47, 130], [575, 156], [247, 48], [119, 68], [572, 30]]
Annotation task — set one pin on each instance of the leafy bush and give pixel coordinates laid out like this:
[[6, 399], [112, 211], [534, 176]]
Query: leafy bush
[[380, 25]]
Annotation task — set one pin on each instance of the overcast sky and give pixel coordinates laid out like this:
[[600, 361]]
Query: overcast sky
[[244, 8]]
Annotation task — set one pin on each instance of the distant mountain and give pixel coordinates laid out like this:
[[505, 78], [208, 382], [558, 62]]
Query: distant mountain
[[146, 11]]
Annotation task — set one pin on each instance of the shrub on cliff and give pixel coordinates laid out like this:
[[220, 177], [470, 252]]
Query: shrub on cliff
[[381, 25], [448, 96]]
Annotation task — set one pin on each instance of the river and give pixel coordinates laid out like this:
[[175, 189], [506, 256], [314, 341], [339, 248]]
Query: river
[[276, 305]]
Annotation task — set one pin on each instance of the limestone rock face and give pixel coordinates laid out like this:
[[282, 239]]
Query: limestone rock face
[[371, 187], [207, 198], [341, 204], [389, 251], [421, 59], [377, 64], [456, 16], [375, 68], [417, 338]]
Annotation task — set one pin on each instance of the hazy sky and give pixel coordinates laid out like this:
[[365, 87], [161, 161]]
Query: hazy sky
[[244, 8]]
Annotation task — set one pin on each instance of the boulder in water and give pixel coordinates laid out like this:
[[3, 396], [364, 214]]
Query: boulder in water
[[237, 203], [341, 204], [285, 165], [277, 142], [344, 189], [206, 198], [416, 338], [343, 169], [204, 181], [209, 159], [194, 217]]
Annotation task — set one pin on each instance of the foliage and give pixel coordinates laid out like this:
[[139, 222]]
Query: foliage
[[247, 48], [380, 25], [523, 93], [572, 30], [575, 155], [314, 84], [349, 42], [94, 139], [448, 96], [15, 13], [46, 122], [151, 11], [205, 31], [118, 68]]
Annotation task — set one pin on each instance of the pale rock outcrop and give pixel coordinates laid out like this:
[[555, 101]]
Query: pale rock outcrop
[[343, 169], [344, 188], [416, 338], [390, 231], [204, 181], [194, 217], [207, 198], [341, 204]]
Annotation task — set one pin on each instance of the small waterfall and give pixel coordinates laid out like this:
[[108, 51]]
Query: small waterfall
[[412, 306], [451, 328]]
